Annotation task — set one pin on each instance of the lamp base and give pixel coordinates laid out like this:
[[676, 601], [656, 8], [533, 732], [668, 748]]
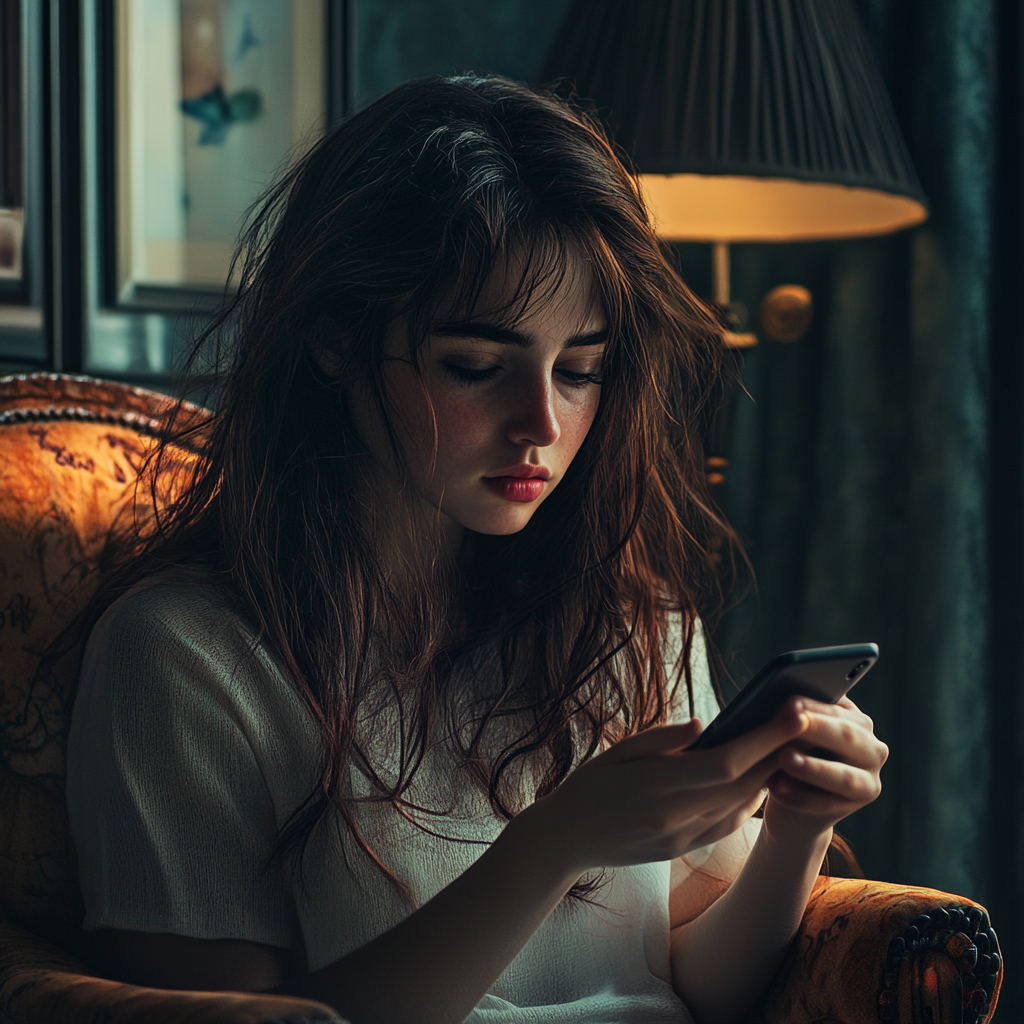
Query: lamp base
[[733, 340]]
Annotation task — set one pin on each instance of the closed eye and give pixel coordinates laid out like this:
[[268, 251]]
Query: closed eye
[[581, 380], [467, 376]]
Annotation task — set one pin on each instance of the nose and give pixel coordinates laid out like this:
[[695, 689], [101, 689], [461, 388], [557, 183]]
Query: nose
[[532, 419]]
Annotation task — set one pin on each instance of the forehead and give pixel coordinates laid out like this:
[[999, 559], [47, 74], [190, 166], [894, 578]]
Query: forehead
[[528, 285]]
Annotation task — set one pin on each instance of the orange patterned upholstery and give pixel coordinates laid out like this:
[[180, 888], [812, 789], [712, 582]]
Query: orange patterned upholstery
[[872, 952], [71, 451]]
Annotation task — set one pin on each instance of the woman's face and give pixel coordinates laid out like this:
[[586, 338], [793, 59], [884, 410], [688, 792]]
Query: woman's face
[[504, 395]]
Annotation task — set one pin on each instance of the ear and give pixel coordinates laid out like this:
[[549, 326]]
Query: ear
[[327, 360]]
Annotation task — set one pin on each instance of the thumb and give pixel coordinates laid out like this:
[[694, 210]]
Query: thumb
[[660, 739]]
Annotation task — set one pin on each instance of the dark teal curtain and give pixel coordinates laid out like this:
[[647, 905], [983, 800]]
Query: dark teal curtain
[[876, 470]]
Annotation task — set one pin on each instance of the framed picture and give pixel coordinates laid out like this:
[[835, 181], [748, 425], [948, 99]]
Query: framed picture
[[12, 214], [11, 232], [212, 99]]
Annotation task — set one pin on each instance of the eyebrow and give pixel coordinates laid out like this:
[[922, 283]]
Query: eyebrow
[[506, 336]]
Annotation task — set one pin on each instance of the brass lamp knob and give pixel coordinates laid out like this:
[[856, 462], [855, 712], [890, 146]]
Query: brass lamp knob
[[786, 313]]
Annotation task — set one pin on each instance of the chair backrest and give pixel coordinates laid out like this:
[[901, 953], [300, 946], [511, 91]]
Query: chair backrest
[[71, 451]]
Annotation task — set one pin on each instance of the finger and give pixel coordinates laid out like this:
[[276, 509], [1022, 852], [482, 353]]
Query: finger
[[842, 702], [712, 802], [755, 802], [752, 780], [728, 824], [730, 761], [660, 739], [844, 737], [843, 708], [800, 797], [843, 780]]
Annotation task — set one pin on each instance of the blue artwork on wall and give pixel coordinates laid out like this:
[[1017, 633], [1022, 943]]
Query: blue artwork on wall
[[215, 111]]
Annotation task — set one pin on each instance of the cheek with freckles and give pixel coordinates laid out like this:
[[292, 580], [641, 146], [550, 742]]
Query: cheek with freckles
[[463, 426], [477, 432], [574, 431]]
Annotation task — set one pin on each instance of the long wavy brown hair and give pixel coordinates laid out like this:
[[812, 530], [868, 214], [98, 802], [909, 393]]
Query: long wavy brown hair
[[402, 210]]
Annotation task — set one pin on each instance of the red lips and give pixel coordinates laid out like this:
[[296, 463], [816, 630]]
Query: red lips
[[513, 488], [523, 470]]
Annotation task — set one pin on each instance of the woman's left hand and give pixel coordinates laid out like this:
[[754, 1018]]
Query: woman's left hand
[[811, 792]]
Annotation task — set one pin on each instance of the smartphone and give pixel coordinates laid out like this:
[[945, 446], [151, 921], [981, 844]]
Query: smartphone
[[822, 673]]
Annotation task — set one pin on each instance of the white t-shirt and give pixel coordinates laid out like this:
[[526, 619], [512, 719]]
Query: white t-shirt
[[189, 749]]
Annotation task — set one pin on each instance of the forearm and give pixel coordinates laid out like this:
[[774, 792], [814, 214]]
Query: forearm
[[724, 959], [439, 962]]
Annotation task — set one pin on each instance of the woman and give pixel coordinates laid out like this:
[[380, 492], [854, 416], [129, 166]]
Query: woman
[[393, 710]]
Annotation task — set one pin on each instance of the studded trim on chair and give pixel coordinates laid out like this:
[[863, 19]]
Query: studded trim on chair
[[125, 419], [42, 397], [847, 964], [966, 937]]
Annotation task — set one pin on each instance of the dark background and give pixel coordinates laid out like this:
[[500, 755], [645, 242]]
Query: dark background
[[876, 472]]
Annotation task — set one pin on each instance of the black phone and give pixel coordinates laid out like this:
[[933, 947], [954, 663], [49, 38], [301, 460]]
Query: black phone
[[821, 673]]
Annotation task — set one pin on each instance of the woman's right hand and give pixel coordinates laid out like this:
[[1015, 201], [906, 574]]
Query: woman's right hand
[[648, 799]]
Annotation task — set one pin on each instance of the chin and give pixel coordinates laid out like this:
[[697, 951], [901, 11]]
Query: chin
[[496, 526], [501, 531]]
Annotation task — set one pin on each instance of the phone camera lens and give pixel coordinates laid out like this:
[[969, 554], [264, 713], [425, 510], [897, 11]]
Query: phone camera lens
[[857, 668]]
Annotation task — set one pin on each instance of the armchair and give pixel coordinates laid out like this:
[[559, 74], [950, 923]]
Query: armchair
[[71, 451]]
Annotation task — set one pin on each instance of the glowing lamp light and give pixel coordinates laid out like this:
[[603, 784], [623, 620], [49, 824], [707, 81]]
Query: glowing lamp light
[[730, 208], [748, 120]]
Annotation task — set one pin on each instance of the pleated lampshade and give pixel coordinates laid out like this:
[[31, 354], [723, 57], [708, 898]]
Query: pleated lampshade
[[749, 120]]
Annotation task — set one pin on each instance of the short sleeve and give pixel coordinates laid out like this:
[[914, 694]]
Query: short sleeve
[[169, 811]]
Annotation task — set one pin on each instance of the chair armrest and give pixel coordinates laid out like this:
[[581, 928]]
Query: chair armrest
[[875, 952], [41, 984]]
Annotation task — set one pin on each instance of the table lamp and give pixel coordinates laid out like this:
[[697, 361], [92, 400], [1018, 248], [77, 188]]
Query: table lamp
[[749, 121]]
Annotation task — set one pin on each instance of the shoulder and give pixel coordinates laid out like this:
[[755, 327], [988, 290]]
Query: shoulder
[[179, 599], [180, 631]]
